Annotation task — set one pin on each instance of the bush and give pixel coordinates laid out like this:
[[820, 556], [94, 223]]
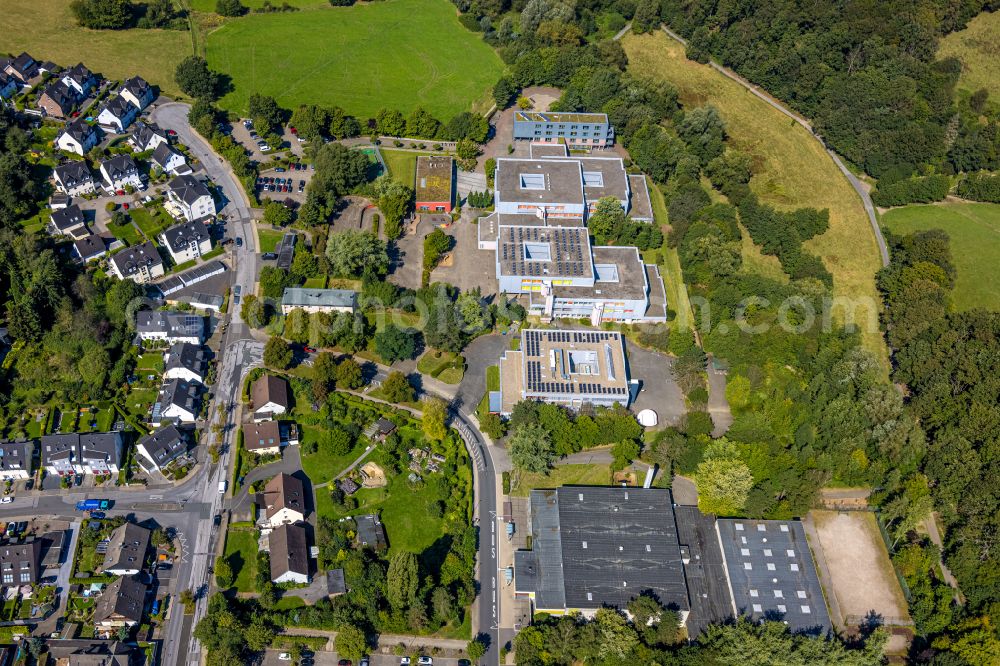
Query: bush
[[980, 187], [912, 190], [230, 8]]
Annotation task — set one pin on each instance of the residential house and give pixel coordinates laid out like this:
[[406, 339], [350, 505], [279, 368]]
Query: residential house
[[268, 398], [8, 85], [190, 197], [262, 438], [126, 551], [284, 500], [59, 201], [380, 429], [158, 449], [89, 247], [116, 115], [57, 100], [77, 137], [187, 361], [19, 562], [170, 326], [88, 652], [187, 240], [100, 452], [23, 68], [178, 402], [68, 221], [15, 459], [289, 554], [138, 92], [140, 263], [318, 300], [371, 532], [120, 172], [146, 137], [81, 80], [120, 605], [167, 159], [74, 178], [59, 453]]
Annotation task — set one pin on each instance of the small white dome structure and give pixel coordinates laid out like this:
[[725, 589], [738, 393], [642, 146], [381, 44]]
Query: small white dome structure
[[647, 418]]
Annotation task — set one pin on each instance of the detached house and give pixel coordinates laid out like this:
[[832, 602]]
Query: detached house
[[284, 500], [191, 198], [121, 605], [159, 449], [89, 247], [8, 85], [172, 327], [15, 459], [116, 115], [268, 398], [120, 172], [147, 137], [167, 159], [68, 221], [126, 550], [187, 241], [57, 100], [289, 554], [77, 137], [23, 68], [74, 178], [140, 263], [186, 361], [137, 92], [19, 562], [178, 402], [81, 80], [262, 438]]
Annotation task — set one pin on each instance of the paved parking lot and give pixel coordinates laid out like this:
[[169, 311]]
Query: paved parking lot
[[659, 390], [331, 659], [290, 183], [241, 135]]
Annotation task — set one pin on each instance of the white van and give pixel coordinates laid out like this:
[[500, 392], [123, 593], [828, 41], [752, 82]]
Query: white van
[[222, 487]]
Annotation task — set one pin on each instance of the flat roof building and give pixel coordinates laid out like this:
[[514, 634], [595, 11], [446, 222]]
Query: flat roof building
[[569, 368], [586, 130], [318, 300], [435, 183], [596, 546]]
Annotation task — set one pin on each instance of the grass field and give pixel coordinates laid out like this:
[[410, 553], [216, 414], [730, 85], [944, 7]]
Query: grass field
[[397, 54], [321, 467], [269, 239], [241, 551], [978, 48], [563, 475], [402, 164], [48, 31], [791, 169], [670, 267], [974, 230]]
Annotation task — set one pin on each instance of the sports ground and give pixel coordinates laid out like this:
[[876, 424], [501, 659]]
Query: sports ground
[[394, 54]]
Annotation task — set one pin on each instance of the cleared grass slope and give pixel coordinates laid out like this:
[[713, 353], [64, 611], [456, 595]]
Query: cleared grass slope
[[978, 48], [791, 169]]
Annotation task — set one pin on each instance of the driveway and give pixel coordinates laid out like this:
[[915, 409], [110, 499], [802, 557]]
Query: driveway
[[290, 463], [481, 353], [658, 390]]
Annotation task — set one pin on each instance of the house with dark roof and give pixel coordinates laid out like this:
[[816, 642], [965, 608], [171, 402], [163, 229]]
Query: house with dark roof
[[318, 300], [179, 401], [190, 198], [146, 137], [23, 68], [68, 221], [126, 551], [15, 458], [187, 240], [166, 159], [19, 562], [140, 263], [289, 554], [380, 429], [77, 137], [120, 172], [158, 449], [138, 92], [597, 546], [8, 85], [121, 605], [80, 80], [371, 532], [100, 452], [268, 398], [170, 326], [74, 178], [186, 361], [117, 114], [262, 438], [57, 100], [59, 454], [284, 501], [88, 652], [89, 247]]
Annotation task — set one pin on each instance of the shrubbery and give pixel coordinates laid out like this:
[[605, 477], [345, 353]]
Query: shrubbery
[[912, 190], [980, 187]]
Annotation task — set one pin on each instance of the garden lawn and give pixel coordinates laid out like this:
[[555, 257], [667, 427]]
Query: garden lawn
[[447, 367], [321, 468], [402, 164], [791, 168], [151, 220], [563, 475], [978, 49], [397, 54], [269, 239], [150, 361], [974, 230], [126, 233], [48, 31], [241, 551], [315, 283]]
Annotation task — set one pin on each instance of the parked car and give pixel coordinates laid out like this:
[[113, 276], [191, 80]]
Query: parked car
[[171, 133], [404, 661], [425, 661], [284, 656], [11, 528], [6, 500], [239, 241], [309, 350], [344, 662], [97, 514], [280, 169], [269, 256]]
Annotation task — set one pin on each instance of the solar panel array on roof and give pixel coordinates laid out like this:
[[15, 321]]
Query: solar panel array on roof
[[534, 377], [568, 256]]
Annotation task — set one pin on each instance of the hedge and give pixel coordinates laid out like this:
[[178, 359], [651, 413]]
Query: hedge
[[912, 190], [980, 187]]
